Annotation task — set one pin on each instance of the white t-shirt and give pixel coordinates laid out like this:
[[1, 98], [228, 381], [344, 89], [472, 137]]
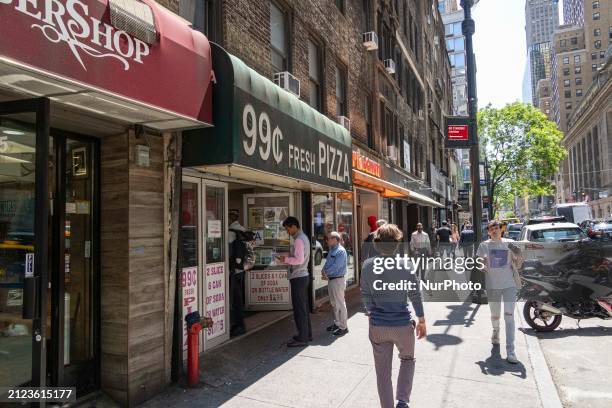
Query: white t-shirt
[[499, 266]]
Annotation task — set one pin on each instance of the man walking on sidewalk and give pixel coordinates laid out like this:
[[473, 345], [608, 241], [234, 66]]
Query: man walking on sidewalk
[[443, 236], [334, 271], [420, 245], [298, 259], [501, 284], [390, 319]]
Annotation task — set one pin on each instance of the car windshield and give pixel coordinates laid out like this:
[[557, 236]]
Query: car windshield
[[515, 227], [603, 226], [557, 234]]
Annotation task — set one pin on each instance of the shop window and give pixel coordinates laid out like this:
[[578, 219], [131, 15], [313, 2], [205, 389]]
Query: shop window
[[322, 225], [345, 226], [279, 38]]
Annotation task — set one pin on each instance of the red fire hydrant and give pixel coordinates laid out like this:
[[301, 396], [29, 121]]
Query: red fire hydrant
[[195, 324]]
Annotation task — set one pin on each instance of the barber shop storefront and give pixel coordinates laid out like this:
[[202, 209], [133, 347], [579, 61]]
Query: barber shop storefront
[[268, 157], [91, 111]]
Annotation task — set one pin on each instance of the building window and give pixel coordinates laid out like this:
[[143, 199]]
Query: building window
[[568, 93], [200, 14], [576, 59], [368, 120], [594, 67], [593, 55], [314, 75], [279, 38], [340, 5], [341, 91], [602, 54], [578, 92], [597, 44], [574, 40], [597, 32], [565, 60], [578, 81], [566, 71], [596, 16], [568, 105], [566, 82], [577, 70], [596, 4], [562, 43]]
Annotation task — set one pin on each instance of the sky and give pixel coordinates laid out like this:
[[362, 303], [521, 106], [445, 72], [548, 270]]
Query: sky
[[499, 45]]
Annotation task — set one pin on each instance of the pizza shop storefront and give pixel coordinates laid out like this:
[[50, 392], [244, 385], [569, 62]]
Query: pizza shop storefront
[[269, 156], [91, 116]]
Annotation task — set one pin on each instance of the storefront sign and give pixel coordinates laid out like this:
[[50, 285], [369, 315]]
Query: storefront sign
[[270, 287], [458, 132], [215, 299], [438, 181], [262, 127], [464, 199], [366, 165], [214, 228], [75, 40], [189, 284]]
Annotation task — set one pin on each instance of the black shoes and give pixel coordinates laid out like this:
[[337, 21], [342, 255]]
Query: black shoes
[[332, 328], [296, 338], [237, 331], [296, 343], [340, 332], [402, 405]]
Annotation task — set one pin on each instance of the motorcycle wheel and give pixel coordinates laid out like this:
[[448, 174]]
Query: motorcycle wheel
[[531, 313]]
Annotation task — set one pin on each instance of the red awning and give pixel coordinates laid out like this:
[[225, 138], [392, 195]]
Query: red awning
[[70, 52]]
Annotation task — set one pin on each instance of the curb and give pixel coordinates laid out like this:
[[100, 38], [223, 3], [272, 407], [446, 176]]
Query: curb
[[549, 396]]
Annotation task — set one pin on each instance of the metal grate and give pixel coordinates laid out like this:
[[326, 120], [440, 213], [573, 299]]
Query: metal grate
[[135, 18]]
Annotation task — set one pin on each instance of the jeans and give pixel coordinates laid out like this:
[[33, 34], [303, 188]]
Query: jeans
[[508, 297], [468, 250], [236, 299], [446, 249], [383, 338], [301, 310], [336, 288]]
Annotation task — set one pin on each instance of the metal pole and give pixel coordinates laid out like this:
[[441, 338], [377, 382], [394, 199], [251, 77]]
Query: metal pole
[[468, 28]]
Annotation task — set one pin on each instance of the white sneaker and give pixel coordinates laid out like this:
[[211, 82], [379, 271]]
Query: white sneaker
[[512, 358], [495, 336]]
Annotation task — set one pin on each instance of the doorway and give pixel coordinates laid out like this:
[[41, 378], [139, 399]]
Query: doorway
[[49, 263]]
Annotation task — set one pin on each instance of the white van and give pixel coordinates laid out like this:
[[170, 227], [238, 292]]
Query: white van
[[574, 212]]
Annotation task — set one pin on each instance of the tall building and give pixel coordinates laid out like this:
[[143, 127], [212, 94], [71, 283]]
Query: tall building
[[573, 12], [527, 92], [455, 45], [542, 18]]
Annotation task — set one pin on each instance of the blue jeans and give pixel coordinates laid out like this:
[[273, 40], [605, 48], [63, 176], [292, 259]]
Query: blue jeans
[[508, 297]]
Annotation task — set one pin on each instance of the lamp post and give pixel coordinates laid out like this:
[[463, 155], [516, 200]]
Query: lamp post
[[468, 29]]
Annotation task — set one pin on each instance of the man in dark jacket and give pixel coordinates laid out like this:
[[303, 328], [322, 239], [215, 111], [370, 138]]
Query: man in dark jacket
[[466, 241]]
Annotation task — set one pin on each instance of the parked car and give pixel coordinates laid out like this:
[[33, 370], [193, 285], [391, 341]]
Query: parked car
[[601, 229], [546, 243], [587, 225], [546, 219], [513, 231]]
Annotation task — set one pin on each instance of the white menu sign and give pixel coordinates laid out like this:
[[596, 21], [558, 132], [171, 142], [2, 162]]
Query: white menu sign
[[215, 299]]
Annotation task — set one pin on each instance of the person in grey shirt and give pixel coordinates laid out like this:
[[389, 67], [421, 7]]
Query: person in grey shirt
[[501, 284], [299, 278]]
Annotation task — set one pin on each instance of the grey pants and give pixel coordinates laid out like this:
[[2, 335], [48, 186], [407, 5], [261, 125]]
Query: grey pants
[[383, 338], [336, 288], [508, 297]]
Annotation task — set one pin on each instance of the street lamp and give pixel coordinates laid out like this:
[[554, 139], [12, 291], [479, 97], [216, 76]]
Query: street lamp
[[468, 28]]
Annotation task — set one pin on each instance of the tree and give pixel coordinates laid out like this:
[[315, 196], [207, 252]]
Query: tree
[[523, 149]]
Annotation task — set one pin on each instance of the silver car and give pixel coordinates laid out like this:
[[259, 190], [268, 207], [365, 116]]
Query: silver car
[[547, 242]]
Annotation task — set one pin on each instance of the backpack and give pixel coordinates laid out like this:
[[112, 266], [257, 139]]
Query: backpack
[[242, 254]]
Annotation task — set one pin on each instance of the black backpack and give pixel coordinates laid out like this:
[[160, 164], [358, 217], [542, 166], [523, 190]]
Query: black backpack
[[242, 254]]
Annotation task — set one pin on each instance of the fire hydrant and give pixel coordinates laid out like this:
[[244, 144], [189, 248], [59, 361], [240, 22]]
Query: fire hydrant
[[195, 324]]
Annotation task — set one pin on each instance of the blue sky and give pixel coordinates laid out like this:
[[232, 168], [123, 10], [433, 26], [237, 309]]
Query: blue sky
[[499, 45]]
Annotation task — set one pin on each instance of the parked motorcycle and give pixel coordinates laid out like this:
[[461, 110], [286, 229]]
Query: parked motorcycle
[[579, 286]]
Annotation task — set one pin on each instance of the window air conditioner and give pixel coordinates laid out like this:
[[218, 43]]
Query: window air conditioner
[[345, 122], [370, 40], [392, 152], [390, 66], [288, 82]]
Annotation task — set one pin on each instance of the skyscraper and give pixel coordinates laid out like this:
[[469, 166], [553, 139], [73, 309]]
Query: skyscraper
[[542, 18]]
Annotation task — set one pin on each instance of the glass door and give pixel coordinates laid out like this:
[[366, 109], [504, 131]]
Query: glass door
[[24, 207]]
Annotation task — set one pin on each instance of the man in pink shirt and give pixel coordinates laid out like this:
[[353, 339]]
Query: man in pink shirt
[[299, 278]]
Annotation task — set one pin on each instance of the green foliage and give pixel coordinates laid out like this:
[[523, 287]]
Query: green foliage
[[523, 149]]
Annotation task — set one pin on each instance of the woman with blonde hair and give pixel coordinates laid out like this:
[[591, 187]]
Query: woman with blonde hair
[[454, 238]]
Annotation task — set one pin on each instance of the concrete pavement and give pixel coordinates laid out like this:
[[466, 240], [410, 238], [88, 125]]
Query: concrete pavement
[[456, 367]]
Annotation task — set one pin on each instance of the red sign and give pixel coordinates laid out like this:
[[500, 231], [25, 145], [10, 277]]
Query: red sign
[[458, 132], [365, 164], [74, 40]]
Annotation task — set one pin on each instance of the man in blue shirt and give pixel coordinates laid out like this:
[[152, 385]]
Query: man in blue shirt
[[334, 271]]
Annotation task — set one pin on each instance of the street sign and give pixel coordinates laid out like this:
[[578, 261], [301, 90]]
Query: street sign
[[482, 174], [458, 132]]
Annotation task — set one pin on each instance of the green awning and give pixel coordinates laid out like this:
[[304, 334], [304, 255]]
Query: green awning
[[260, 126]]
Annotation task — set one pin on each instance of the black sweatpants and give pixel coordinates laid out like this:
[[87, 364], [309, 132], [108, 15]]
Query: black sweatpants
[[301, 311], [236, 299]]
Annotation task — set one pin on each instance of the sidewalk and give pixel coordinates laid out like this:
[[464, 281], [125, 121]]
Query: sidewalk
[[456, 367]]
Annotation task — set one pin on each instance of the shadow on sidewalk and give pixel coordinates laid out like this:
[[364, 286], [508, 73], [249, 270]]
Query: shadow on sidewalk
[[562, 333], [459, 315], [496, 365]]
